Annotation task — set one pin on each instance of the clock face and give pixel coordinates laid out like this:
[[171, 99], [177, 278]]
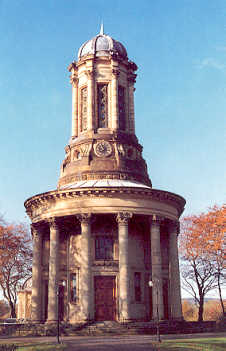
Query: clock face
[[103, 148]]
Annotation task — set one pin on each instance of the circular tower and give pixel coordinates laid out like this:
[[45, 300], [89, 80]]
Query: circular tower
[[105, 232]]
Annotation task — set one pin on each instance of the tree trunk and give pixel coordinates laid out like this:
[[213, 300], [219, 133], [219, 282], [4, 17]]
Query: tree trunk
[[12, 310], [201, 305], [220, 295]]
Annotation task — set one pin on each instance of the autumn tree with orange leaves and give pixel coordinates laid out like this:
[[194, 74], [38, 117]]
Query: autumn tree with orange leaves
[[202, 250], [15, 260]]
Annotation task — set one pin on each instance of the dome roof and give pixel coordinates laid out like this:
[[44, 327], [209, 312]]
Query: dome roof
[[104, 183], [102, 45]]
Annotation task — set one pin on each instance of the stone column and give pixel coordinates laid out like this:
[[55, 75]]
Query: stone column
[[114, 99], [85, 277], [174, 273], [90, 98], [53, 271], [75, 107], [124, 271], [156, 264], [36, 304]]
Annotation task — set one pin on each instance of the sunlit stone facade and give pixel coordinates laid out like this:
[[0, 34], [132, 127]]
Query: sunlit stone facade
[[105, 232]]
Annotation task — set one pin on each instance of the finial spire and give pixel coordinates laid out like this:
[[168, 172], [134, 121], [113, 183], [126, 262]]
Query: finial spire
[[102, 29]]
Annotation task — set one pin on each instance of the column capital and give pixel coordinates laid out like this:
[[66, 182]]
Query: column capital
[[34, 228], [74, 81], [90, 74], [52, 222], [156, 220], [132, 78], [72, 66], [84, 217], [123, 217], [115, 73]]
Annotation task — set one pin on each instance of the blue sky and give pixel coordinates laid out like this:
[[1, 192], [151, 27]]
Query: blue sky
[[180, 49]]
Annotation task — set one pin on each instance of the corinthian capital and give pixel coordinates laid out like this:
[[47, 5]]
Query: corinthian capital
[[156, 220], [34, 230], [84, 218], [115, 73], [53, 223], [132, 78], [74, 81], [123, 217], [89, 74]]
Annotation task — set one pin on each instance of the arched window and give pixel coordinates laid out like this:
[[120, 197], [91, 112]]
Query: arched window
[[102, 103]]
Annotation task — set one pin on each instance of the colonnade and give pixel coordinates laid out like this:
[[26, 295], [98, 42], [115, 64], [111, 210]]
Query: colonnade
[[113, 113], [86, 299]]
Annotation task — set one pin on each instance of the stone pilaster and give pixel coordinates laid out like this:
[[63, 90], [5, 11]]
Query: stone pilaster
[[90, 98], [53, 271], [131, 81], [156, 264], [75, 107], [114, 99], [85, 277], [124, 271], [36, 303], [174, 273]]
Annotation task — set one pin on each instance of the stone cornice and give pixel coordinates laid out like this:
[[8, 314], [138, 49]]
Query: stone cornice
[[45, 200]]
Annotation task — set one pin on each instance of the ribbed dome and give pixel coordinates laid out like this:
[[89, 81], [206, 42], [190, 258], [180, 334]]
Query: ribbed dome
[[102, 45]]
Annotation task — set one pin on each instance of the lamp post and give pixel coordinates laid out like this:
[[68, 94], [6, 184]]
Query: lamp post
[[58, 311], [151, 284]]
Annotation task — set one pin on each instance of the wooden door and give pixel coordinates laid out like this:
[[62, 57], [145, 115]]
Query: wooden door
[[105, 298]]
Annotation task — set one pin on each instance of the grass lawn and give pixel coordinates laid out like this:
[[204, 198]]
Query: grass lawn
[[41, 347], [202, 344]]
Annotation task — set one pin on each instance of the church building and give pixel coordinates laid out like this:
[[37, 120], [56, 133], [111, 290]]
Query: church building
[[104, 233]]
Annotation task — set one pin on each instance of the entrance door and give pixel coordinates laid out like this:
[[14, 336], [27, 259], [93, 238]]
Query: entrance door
[[105, 298]]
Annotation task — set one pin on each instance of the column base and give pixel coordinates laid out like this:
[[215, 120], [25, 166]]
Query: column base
[[37, 321], [177, 319], [51, 321]]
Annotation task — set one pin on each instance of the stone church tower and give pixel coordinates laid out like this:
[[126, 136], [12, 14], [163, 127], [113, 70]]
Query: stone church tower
[[105, 232]]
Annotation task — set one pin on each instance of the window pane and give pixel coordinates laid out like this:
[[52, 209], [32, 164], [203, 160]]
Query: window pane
[[73, 287], [104, 248]]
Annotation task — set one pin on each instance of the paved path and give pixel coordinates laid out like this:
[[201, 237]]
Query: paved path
[[107, 343]]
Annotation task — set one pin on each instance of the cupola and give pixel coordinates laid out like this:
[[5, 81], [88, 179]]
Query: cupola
[[102, 45]]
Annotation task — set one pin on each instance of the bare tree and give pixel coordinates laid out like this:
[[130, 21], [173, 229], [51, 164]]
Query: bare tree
[[202, 250], [15, 260]]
